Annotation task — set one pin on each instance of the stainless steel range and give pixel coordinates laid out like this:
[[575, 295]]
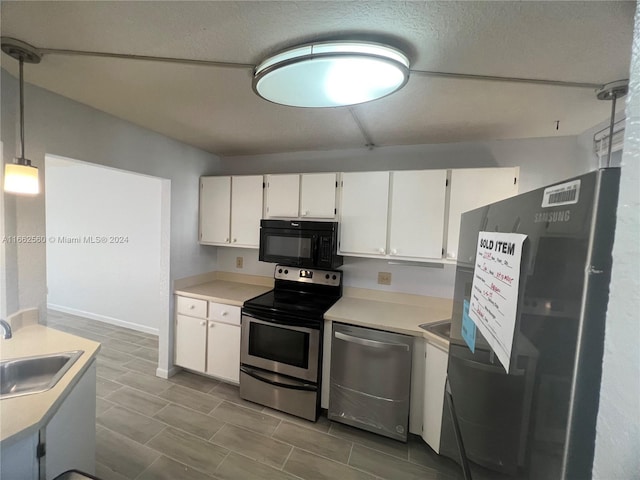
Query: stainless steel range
[[281, 346]]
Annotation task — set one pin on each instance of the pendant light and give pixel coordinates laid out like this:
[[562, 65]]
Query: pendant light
[[20, 176], [331, 74]]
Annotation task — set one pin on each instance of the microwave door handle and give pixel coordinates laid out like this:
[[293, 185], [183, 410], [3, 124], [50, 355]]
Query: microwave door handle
[[314, 249]]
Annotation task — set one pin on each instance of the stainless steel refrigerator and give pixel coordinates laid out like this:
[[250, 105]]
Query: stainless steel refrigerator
[[538, 419]]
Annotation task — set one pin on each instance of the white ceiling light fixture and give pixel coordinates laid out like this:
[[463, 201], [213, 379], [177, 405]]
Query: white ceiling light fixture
[[20, 176], [331, 74]]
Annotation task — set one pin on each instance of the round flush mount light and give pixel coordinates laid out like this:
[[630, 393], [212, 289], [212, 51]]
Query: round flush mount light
[[331, 74]]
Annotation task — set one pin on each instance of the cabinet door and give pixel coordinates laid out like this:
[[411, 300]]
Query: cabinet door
[[282, 196], [215, 209], [223, 351], [70, 435], [246, 210], [434, 382], [363, 219], [474, 188], [417, 213], [318, 197], [191, 342]]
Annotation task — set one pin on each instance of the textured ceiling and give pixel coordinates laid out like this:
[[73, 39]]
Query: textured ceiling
[[215, 108]]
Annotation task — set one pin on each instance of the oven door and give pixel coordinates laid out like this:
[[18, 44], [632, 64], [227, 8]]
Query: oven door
[[280, 347], [296, 248]]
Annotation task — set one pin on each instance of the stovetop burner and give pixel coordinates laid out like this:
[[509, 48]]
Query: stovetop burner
[[298, 291]]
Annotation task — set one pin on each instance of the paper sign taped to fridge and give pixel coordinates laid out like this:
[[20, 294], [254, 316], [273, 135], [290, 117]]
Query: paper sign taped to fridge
[[494, 292]]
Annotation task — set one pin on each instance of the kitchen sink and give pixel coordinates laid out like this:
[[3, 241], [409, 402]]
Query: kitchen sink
[[28, 375], [442, 329]]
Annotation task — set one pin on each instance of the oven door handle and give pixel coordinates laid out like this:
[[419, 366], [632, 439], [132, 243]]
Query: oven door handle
[[279, 321], [302, 386], [365, 342]]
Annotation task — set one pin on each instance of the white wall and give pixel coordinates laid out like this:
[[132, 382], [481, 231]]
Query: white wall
[[541, 160], [119, 281], [430, 280], [59, 126], [618, 427]]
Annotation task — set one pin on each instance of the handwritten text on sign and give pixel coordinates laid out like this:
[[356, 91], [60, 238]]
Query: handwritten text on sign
[[494, 293]]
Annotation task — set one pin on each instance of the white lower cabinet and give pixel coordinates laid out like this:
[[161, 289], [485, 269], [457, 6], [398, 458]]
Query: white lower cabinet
[[223, 351], [209, 342], [191, 342], [435, 376]]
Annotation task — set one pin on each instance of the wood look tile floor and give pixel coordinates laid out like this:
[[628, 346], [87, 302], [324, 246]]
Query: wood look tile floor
[[191, 427]]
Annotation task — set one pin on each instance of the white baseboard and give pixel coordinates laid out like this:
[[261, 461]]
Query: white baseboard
[[103, 318], [164, 373]]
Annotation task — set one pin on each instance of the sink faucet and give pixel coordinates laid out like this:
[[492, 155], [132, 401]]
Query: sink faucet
[[6, 328]]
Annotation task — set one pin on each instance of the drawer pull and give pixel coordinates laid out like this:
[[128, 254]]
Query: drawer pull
[[191, 307], [224, 314], [203, 323]]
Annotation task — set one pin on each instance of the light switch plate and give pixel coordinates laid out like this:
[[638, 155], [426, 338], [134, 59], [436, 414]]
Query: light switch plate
[[384, 278], [239, 262]]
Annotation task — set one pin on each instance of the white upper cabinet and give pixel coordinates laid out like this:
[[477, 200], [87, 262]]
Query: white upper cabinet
[[246, 210], [473, 188], [230, 210], [215, 209], [318, 195], [417, 206], [282, 196], [364, 209], [309, 195]]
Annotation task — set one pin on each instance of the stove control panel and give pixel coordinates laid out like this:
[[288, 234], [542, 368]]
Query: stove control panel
[[306, 275]]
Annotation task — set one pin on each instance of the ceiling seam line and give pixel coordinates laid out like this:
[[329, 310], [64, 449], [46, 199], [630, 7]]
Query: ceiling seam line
[[126, 56], [467, 76], [367, 138]]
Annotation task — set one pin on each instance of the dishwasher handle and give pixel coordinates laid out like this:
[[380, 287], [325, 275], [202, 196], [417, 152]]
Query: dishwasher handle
[[365, 342]]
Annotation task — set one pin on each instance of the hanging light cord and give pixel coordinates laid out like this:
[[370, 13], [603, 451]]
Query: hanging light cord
[[22, 160]]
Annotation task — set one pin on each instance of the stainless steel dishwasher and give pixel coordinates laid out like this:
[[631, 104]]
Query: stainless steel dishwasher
[[371, 380]]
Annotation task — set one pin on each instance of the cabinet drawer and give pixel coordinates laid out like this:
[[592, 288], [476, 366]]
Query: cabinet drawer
[[192, 307], [224, 313]]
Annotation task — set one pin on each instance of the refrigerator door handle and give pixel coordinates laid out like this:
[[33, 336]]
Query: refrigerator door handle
[[488, 368], [371, 343]]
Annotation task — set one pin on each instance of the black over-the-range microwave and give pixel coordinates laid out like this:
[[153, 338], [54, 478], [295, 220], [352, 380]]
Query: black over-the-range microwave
[[300, 243]]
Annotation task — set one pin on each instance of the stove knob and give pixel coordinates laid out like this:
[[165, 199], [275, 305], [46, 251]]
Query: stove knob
[[334, 277], [279, 270], [286, 272], [327, 276]]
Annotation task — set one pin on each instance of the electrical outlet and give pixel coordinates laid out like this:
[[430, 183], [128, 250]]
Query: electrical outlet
[[239, 262], [384, 278]]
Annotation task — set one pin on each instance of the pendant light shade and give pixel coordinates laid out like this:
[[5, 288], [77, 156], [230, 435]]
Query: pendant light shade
[[21, 179], [20, 176], [331, 74]]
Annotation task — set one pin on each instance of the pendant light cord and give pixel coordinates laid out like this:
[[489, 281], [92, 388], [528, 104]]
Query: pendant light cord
[[22, 159], [611, 125]]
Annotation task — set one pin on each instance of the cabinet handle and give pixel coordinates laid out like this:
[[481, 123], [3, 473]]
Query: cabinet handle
[[211, 325], [381, 251], [191, 307], [226, 240], [224, 314], [203, 323], [305, 213], [394, 251], [235, 240]]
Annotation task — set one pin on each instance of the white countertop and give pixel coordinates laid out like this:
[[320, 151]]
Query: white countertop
[[392, 316], [223, 291], [21, 416]]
